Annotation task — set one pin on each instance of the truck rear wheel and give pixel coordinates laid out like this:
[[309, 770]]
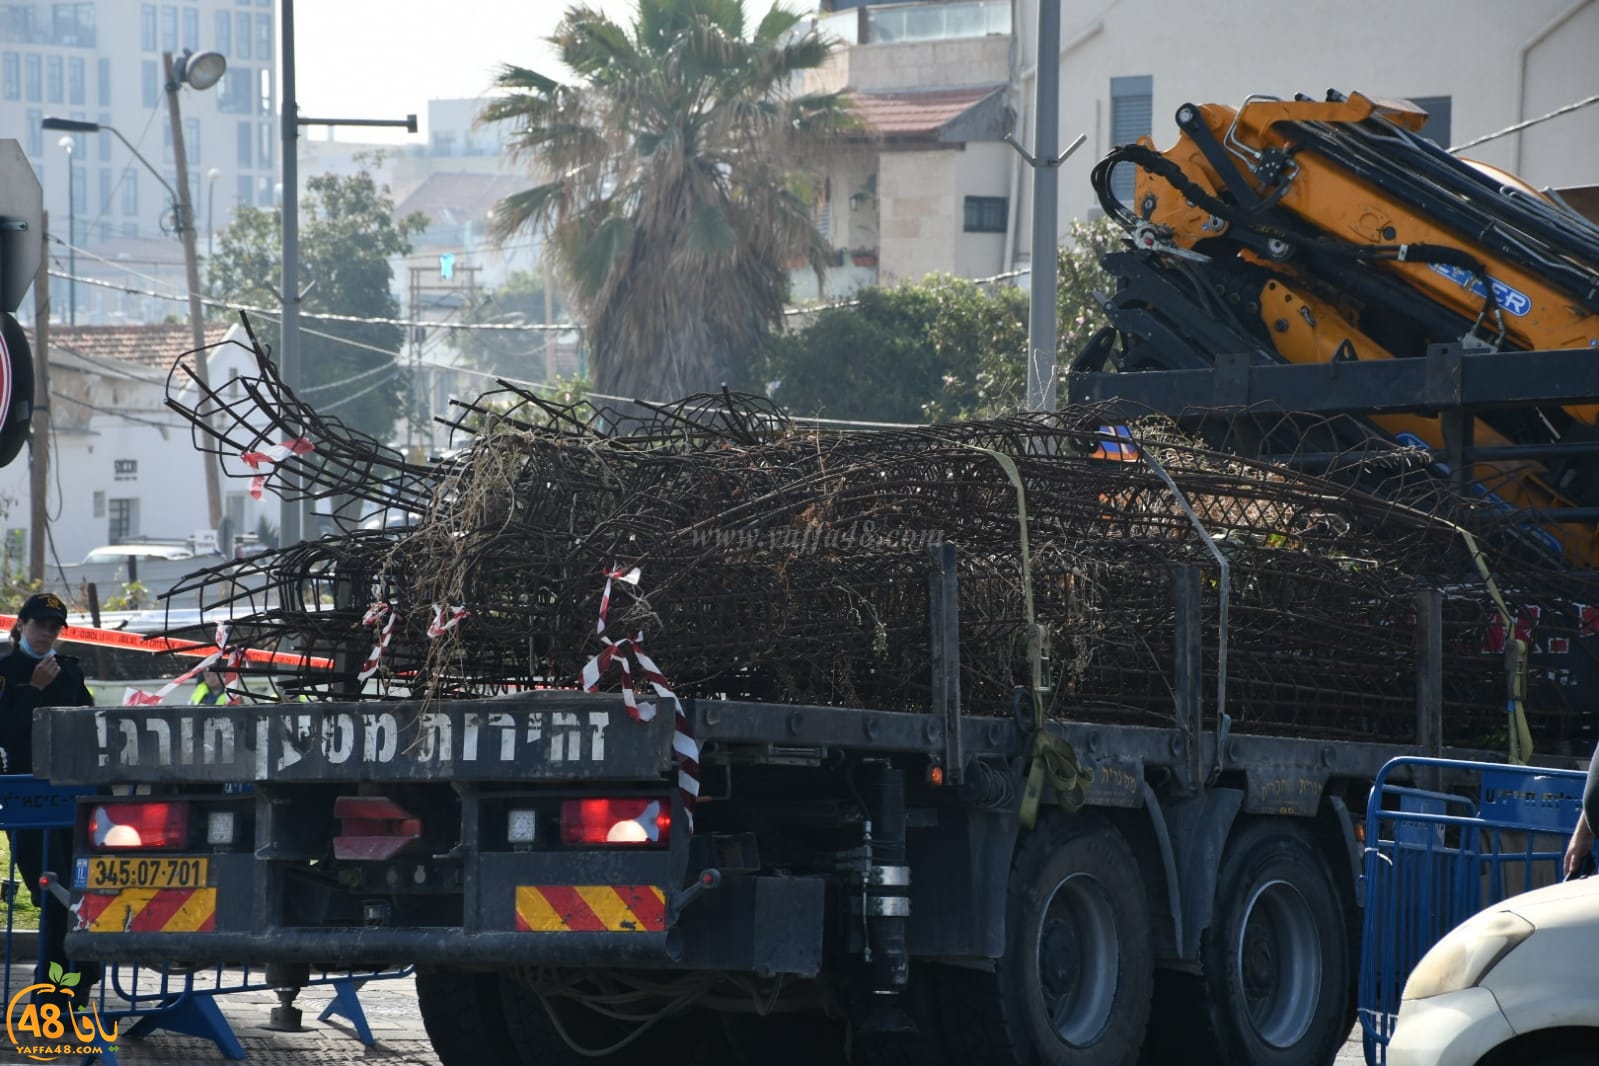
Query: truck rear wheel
[[1073, 987], [461, 1012], [1276, 957]]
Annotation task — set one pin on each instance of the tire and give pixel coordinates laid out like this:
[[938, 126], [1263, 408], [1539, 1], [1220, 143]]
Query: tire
[[461, 1012], [1275, 959], [1073, 987]]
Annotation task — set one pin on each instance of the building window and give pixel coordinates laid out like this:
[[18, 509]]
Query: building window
[[242, 37], [124, 524], [147, 27], [1438, 110], [152, 84], [985, 214], [73, 24], [99, 503], [263, 37], [54, 80], [246, 144], [1132, 104], [105, 193], [33, 78], [103, 89], [12, 66], [130, 192], [224, 31], [125, 469], [169, 28], [75, 80], [104, 138], [191, 28], [263, 145], [244, 194]]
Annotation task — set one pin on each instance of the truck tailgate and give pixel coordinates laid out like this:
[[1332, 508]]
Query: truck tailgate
[[554, 736]]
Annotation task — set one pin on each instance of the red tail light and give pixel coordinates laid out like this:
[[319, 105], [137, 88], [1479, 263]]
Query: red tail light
[[115, 826], [616, 821]]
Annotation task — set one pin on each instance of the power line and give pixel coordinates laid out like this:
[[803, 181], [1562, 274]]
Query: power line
[[1518, 127]]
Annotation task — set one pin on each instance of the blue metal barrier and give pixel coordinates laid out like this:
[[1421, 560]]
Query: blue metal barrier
[[138, 1000], [1435, 858]]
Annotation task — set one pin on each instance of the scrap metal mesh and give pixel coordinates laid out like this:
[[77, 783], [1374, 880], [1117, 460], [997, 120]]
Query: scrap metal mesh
[[791, 564]]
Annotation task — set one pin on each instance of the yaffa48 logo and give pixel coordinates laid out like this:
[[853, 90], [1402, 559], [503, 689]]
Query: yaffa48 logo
[[44, 1024]]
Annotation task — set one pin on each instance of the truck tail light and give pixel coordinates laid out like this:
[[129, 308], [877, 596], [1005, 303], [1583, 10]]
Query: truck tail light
[[115, 826], [372, 827], [615, 821]]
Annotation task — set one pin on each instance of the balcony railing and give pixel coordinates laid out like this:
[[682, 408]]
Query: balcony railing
[[899, 23]]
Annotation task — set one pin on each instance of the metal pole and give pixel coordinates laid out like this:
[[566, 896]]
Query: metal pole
[[290, 529], [1041, 328], [72, 240], [191, 265], [39, 430]]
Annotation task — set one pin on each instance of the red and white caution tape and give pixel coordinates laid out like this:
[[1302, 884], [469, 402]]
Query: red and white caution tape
[[446, 618], [381, 615], [231, 658], [624, 654], [271, 456], [630, 576]]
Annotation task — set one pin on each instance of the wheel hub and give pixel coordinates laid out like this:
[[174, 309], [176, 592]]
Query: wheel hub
[[1279, 964], [1078, 960]]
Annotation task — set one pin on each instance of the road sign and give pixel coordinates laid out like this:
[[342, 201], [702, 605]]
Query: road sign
[[21, 224]]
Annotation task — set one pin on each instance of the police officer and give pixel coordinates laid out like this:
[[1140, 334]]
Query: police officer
[[1579, 852], [34, 675]]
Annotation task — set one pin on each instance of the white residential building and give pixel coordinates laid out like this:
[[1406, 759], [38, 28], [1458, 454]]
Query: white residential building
[[123, 466], [1127, 65]]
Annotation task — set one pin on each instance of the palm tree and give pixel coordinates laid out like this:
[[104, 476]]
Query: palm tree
[[674, 183]]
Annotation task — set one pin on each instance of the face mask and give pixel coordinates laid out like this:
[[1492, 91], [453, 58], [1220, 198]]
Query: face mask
[[27, 649]]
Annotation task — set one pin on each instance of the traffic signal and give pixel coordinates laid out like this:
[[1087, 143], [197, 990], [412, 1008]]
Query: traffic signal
[[21, 248]]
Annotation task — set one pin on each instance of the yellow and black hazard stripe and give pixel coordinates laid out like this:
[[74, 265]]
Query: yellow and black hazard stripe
[[151, 910], [590, 908]]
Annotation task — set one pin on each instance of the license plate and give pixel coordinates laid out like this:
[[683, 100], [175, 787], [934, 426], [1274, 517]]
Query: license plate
[[130, 872]]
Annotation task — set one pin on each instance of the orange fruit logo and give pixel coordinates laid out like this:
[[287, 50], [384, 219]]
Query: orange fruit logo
[[42, 1030]]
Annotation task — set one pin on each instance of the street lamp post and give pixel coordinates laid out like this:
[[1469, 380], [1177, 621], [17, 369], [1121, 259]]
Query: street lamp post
[[211, 177], [200, 70], [66, 142]]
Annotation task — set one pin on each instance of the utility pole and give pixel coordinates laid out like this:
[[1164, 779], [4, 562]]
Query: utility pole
[[549, 318], [39, 439], [291, 523], [1042, 332], [191, 264]]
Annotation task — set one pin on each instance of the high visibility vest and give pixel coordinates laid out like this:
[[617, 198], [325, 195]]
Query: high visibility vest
[[203, 694]]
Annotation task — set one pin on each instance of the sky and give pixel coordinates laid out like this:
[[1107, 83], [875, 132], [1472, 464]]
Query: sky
[[387, 58]]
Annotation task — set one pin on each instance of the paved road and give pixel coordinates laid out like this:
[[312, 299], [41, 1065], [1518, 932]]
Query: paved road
[[389, 1008]]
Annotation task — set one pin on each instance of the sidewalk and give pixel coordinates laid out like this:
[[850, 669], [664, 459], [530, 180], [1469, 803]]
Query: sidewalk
[[388, 1007]]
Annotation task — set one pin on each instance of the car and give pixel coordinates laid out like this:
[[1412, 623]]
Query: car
[[116, 553], [1510, 986]]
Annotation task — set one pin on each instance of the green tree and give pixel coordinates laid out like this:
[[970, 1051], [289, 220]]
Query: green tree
[[905, 354], [939, 349], [673, 183], [513, 353], [348, 235]]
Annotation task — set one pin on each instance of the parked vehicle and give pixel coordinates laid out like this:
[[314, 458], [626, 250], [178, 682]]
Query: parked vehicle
[[1510, 985]]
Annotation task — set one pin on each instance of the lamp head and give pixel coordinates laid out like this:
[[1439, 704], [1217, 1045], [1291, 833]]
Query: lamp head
[[69, 125], [200, 70], [65, 143]]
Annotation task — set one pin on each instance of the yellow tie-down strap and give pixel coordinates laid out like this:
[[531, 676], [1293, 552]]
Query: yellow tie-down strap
[[590, 909], [150, 910]]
